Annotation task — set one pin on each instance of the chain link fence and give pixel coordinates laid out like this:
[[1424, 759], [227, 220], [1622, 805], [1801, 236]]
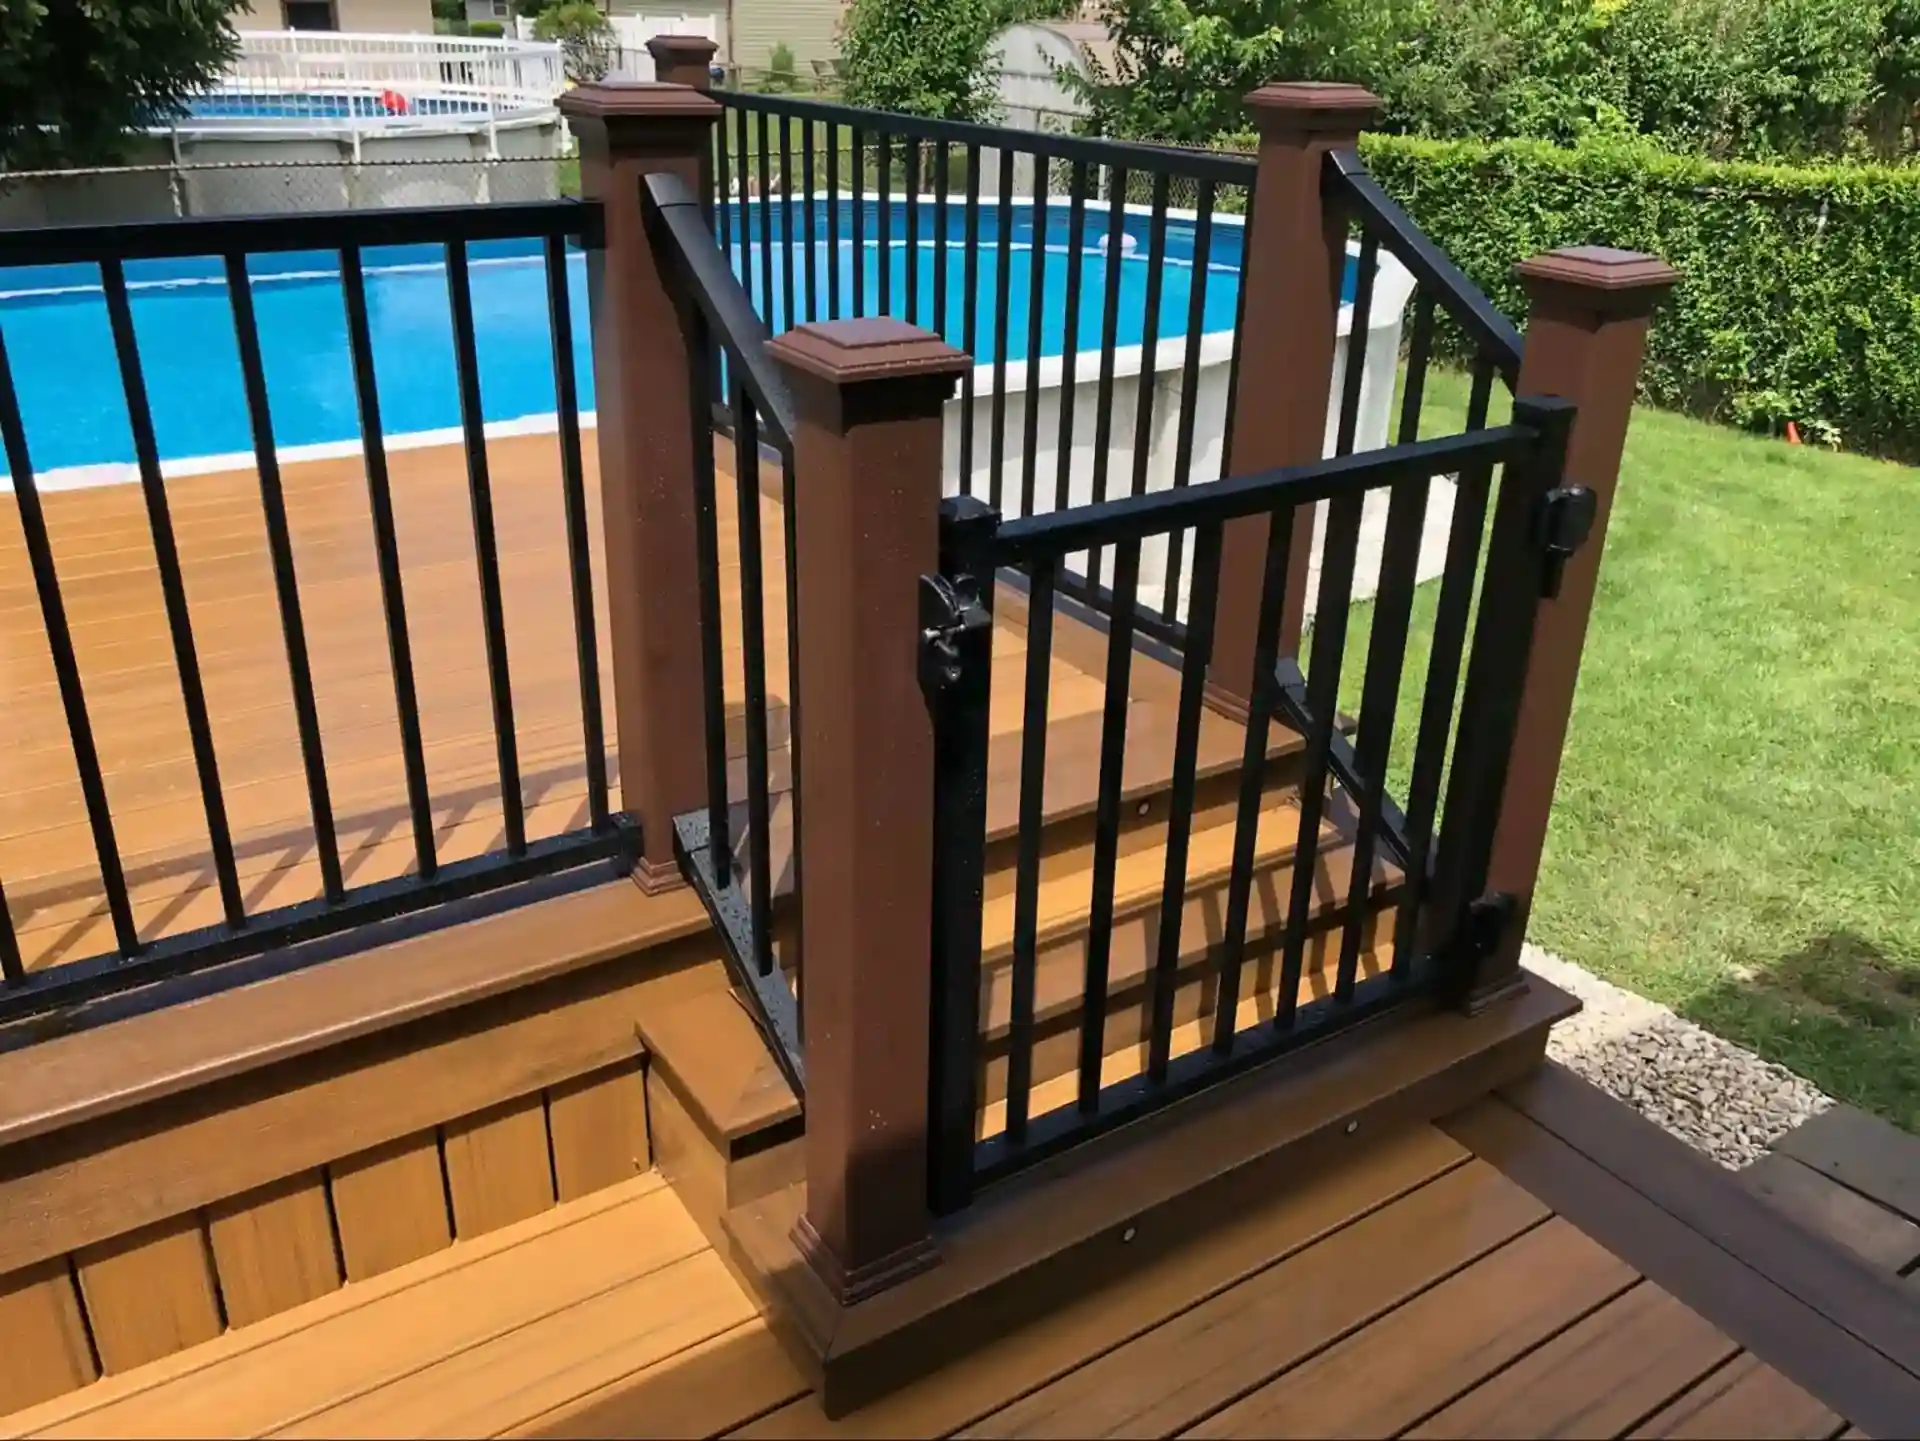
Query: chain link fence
[[131, 193]]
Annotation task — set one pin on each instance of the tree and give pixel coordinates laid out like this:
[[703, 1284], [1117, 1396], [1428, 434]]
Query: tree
[[922, 57], [587, 45], [77, 76]]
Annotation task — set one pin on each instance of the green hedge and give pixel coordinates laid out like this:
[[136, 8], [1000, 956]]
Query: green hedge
[[1800, 291]]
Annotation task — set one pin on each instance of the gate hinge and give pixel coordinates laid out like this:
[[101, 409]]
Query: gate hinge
[[950, 612], [1566, 520]]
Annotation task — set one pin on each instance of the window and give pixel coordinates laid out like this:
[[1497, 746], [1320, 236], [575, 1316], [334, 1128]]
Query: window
[[310, 15], [502, 9]]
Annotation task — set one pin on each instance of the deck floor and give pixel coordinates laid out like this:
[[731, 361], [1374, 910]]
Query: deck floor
[[1413, 1289], [105, 559]]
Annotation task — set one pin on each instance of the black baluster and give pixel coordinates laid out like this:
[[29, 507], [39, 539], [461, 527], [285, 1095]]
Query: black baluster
[[1036, 297], [173, 589], [573, 492], [1002, 285], [66, 666], [273, 509], [1026, 892], [1451, 614], [1186, 754], [1190, 385], [1109, 345], [1386, 656], [386, 544], [1253, 768], [486, 547], [1106, 824]]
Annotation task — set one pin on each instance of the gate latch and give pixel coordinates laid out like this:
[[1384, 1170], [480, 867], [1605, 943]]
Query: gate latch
[[949, 613], [1566, 520], [1488, 917]]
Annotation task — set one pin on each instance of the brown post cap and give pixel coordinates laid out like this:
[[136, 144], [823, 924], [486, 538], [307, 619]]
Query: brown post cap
[[613, 101], [682, 47], [860, 352], [1597, 279], [682, 59], [1312, 107]]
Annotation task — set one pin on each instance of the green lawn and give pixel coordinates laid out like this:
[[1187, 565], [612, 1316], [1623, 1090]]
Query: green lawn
[[1737, 826]]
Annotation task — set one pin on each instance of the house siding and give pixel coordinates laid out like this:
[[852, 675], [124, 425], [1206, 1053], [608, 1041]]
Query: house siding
[[395, 17], [809, 28]]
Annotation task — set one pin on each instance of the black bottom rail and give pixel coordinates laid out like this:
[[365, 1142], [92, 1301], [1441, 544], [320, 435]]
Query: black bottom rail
[[61, 986], [774, 1007], [1186, 1075]]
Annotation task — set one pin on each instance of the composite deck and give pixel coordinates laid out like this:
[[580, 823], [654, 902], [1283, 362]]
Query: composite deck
[[105, 560], [1416, 1288]]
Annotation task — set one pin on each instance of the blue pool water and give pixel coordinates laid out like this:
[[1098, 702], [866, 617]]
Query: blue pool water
[[54, 322], [322, 107]]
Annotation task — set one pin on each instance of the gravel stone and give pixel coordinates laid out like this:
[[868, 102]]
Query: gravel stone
[[1712, 1094]]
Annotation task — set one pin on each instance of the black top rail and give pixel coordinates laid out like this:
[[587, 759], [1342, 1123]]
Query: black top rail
[[1493, 335], [1213, 165], [742, 334], [1138, 517], [175, 239]]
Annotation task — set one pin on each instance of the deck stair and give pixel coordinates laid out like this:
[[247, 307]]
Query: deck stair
[[728, 1130]]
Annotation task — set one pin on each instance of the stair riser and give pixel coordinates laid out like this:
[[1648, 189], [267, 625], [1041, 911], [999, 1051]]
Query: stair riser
[[1067, 843], [1129, 1016]]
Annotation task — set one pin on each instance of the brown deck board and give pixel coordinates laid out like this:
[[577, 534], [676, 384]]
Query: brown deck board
[[1681, 1242], [1747, 1399], [1884, 1238], [1863, 1153], [1197, 1362], [1596, 1379], [1392, 1373]]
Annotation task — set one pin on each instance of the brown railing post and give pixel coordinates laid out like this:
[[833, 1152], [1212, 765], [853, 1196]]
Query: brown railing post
[[683, 60], [1296, 254], [867, 399], [643, 382], [1586, 335]]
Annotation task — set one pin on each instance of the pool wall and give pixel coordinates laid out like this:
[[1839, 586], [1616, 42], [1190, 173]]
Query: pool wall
[[1393, 288]]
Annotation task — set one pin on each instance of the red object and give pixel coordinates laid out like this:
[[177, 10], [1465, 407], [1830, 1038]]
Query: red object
[[1793, 433], [394, 103]]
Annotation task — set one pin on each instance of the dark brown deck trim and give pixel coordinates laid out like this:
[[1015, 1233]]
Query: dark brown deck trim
[[1804, 1307]]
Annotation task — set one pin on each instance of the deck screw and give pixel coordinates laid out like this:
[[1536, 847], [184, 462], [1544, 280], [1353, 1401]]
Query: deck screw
[[1352, 1126], [1145, 806], [1127, 1235]]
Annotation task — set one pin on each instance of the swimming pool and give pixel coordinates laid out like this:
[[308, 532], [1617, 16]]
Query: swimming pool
[[54, 322], [235, 105]]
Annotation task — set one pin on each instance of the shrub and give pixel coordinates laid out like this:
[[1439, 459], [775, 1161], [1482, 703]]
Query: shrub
[[486, 29], [587, 44], [921, 57], [1799, 297], [782, 71]]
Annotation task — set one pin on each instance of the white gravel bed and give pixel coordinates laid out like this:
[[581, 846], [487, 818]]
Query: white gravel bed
[[1712, 1094]]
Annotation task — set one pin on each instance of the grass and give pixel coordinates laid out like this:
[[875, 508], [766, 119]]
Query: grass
[[1736, 831]]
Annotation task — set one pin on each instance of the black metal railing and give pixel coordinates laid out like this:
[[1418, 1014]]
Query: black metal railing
[[144, 951], [977, 545], [1492, 347], [730, 852], [1096, 283]]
